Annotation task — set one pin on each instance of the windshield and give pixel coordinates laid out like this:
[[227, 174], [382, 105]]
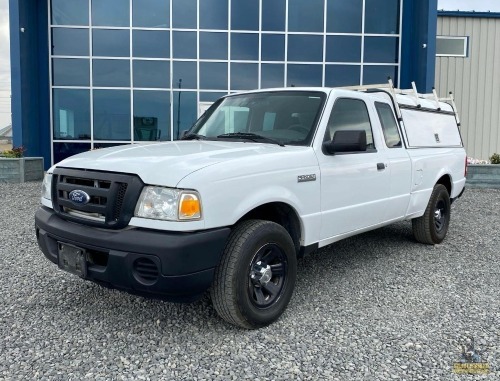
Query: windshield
[[285, 117]]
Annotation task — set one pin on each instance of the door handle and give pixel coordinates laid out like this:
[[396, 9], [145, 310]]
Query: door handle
[[381, 166]]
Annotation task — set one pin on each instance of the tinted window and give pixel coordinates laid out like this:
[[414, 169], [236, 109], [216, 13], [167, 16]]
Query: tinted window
[[244, 46], [186, 107], [184, 14], [70, 72], [71, 109], [151, 115], [111, 73], [304, 75], [213, 45], [272, 75], [343, 49], [151, 43], [210, 96], [381, 49], [184, 44], [245, 15], [111, 114], [344, 16], [374, 74], [213, 75], [151, 13], [349, 114], [70, 42], [111, 12], [70, 12], [305, 48], [64, 150], [244, 76], [213, 14], [382, 17], [185, 70], [342, 75], [273, 47], [153, 74], [389, 125], [111, 43], [305, 16], [273, 15]]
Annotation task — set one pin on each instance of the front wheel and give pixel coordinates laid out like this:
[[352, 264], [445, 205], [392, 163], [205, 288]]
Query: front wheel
[[254, 280], [432, 227]]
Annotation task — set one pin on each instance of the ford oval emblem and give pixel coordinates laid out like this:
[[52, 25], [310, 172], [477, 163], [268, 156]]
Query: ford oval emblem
[[79, 197]]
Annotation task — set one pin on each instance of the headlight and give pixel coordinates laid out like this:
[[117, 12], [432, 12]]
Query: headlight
[[170, 204], [47, 186]]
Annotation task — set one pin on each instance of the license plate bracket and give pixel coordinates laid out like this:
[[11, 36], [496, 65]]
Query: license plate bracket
[[72, 259]]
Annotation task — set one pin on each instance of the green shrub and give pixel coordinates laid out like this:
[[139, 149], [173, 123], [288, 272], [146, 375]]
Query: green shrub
[[14, 152], [495, 158]]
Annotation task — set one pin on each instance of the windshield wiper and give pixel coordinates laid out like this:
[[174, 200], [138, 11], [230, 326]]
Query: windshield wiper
[[250, 136], [193, 137]]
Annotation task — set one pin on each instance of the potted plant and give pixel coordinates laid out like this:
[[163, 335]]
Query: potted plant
[[15, 168], [484, 173]]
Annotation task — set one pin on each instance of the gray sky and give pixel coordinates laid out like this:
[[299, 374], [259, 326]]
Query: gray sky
[[463, 5]]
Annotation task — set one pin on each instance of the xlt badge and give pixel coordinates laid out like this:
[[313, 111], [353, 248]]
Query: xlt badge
[[306, 178]]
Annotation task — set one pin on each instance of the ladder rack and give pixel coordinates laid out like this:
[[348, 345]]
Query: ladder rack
[[413, 93]]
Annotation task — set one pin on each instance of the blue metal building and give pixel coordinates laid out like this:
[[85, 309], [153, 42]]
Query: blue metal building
[[95, 73]]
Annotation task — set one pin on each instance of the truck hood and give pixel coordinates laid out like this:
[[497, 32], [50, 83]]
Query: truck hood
[[168, 163]]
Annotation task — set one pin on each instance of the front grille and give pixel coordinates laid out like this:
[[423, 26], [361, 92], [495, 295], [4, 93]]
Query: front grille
[[111, 197], [145, 271]]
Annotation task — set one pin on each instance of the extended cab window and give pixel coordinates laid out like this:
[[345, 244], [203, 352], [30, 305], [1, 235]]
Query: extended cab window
[[389, 125], [350, 114]]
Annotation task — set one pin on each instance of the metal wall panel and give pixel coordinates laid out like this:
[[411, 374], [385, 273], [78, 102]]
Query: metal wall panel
[[474, 81]]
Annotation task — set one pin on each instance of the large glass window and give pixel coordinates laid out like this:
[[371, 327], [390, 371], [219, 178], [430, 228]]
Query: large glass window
[[70, 72], [184, 44], [244, 76], [213, 75], [245, 46], [213, 45], [185, 111], [71, 113], [343, 49], [70, 42], [273, 15], [111, 114], [184, 14], [64, 150], [382, 17], [273, 47], [375, 74], [381, 49], [110, 12], [305, 48], [342, 75], [152, 74], [151, 115], [304, 75], [305, 16], [245, 15], [213, 14], [111, 73], [151, 13], [70, 12], [344, 16], [349, 114], [272, 75], [111, 42], [185, 71], [151, 43]]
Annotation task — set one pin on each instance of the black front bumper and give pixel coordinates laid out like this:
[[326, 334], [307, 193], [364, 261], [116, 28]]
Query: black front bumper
[[127, 259]]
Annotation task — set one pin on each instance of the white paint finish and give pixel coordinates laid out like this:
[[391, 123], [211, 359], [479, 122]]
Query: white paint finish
[[425, 129]]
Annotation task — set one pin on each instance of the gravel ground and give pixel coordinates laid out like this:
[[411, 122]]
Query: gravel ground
[[375, 307]]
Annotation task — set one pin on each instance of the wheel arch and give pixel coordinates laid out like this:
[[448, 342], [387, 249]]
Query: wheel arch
[[446, 181]]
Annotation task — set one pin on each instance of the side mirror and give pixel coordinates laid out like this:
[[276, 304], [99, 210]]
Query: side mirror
[[346, 141]]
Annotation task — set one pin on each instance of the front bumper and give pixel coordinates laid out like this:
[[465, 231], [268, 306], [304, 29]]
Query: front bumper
[[184, 262]]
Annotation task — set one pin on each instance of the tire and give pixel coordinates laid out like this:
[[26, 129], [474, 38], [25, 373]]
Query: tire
[[432, 227], [256, 275]]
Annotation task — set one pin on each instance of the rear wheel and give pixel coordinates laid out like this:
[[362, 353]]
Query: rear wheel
[[432, 227], [255, 278]]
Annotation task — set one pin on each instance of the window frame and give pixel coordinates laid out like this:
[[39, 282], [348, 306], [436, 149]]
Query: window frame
[[463, 38]]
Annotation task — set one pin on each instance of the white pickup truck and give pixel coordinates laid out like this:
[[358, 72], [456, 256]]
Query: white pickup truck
[[261, 179]]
